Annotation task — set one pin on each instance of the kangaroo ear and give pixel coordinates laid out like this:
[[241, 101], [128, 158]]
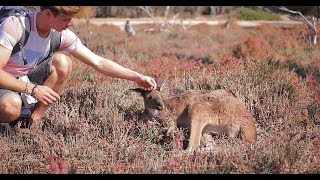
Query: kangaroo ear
[[139, 90], [160, 84]]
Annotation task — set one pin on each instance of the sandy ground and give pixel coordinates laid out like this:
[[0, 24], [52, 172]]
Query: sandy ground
[[187, 22]]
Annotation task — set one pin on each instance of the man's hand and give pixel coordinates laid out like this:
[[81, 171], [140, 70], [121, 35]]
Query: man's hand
[[148, 83], [45, 95]]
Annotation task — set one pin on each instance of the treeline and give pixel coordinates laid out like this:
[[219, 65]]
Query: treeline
[[192, 11], [135, 11]]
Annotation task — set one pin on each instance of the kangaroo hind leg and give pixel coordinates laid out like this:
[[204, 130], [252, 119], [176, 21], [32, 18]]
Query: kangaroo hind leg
[[195, 136], [233, 131]]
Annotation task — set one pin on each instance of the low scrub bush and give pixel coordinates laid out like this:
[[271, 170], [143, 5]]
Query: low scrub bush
[[245, 13]]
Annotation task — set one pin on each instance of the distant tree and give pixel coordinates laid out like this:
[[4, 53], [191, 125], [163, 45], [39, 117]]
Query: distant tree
[[306, 10], [86, 13], [132, 11], [311, 24], [161, 25], [215, 10]]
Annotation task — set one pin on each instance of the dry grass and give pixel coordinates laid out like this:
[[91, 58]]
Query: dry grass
[[95, 127]]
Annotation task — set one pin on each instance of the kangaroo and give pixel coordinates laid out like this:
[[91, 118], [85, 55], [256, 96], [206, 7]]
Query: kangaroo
[[200, 112]]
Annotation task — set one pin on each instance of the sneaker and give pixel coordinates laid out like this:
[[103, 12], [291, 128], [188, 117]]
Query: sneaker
[[23, 119], [24, 123]]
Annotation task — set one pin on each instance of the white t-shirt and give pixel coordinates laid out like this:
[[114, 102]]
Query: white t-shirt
[[36, 48]]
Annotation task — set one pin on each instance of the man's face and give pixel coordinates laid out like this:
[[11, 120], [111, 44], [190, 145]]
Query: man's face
[[61, 22]]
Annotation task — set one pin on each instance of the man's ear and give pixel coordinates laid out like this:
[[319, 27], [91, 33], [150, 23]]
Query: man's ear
[[160, 84]]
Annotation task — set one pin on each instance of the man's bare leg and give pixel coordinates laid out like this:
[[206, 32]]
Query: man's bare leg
[[60, 73], [10, 107]]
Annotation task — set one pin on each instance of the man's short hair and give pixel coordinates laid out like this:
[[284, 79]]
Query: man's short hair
[[63, 10]]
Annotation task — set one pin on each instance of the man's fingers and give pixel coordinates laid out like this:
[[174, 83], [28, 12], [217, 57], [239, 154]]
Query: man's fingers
[[44, 102], [51, 98], [54, 96], [48, 100], [47, 95], [154, 84]]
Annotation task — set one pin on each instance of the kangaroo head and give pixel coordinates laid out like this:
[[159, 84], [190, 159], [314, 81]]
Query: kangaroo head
[[153, 101]]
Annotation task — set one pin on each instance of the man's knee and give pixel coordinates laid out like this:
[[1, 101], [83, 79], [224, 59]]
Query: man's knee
[[61, 64], [10, 107]]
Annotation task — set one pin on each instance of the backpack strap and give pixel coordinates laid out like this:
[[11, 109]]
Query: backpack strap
[[55, 42], [23, 40]]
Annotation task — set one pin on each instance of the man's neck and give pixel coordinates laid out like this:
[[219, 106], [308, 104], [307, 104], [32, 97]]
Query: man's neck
[[42, 25]]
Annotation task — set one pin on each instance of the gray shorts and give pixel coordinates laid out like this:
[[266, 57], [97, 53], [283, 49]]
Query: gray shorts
[[38, 75]]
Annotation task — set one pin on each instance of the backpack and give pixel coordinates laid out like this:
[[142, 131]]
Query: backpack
[[20, 11]]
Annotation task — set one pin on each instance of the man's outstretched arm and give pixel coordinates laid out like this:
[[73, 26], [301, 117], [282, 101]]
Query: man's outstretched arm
[[112, 69]]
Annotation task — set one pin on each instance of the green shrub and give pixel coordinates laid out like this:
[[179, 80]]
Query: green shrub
[[245, 13]]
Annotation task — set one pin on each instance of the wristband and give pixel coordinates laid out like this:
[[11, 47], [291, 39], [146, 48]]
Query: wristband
[[34, 89], [26, 89]]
